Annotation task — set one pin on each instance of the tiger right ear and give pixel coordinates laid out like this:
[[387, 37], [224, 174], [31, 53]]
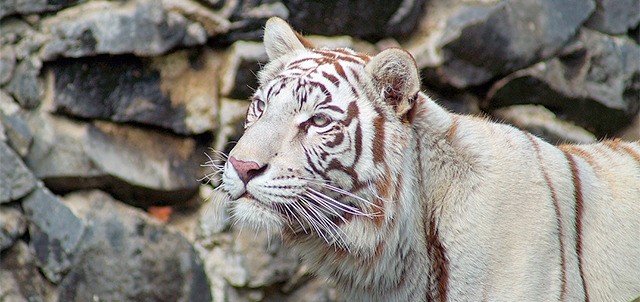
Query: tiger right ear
[[280, 39], [395, 74]]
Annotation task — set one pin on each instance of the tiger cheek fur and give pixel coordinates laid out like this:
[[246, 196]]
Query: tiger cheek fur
[[393, 198]]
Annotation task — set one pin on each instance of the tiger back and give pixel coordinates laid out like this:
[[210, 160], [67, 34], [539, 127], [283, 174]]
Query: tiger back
[[393, 198]]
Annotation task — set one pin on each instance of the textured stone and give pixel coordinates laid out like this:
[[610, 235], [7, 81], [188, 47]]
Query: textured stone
[[17, 132], [15, 179], [7, 64], [471, 42], [615, 16], [54, 230], [25, 85], [126, 256], [232, 115], [543, 123], [177, 92], [595, 83], [142, 166], [242, 63], [141, 27], [12, 225], [20, 279], [10, 7], [371, 20]]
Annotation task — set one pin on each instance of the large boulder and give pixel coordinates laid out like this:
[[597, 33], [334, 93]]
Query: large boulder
[[595, 82], [178, 92], [141, 166], [468, 43], [615, 16]]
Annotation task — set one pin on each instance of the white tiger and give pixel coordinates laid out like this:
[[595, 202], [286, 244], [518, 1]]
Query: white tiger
[[395, 199]]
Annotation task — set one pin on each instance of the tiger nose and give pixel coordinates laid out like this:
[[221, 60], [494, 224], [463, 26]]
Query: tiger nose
[[247, 170]]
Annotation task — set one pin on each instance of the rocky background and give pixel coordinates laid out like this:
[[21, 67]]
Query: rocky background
[[108, 109]]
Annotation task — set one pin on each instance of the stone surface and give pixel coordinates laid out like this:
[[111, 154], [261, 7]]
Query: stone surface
[[12, 225], [25, 85], [10, 7], [125, 255], [475, 41], [177, 92], [15, 179], [596, 83], [17, 131], [55, 232], [142, 166], [20, 279], [543, 123], [241, 64], [371, 20], [615, 16], [7, 64], [141, 27]]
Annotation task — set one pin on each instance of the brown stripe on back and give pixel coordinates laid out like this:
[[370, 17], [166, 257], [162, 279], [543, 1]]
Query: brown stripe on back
[[556, 206], [439, 271], [577, 184], [633, 153]]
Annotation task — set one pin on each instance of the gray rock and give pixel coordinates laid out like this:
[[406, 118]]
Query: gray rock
[[177, 92], [615, 16], [7, 64], [543, 123], [472, 42], [141, 166], [20, 279], [141, 27], [125, 256], [54, 230], [25, 85], [238, 76], [10, 7], [15, 179], [17, 132], [12, 225], [371, 20], [595, 83]]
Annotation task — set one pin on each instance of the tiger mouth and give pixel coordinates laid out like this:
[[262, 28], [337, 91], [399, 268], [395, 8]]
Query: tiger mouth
[[341, 218]]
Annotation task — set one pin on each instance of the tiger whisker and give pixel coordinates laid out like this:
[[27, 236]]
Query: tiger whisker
[[327, 205], [340, 205], [338, 190]]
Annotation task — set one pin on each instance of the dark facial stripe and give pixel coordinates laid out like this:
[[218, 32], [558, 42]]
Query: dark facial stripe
[[556, 206], [577, 184], [378, 138]]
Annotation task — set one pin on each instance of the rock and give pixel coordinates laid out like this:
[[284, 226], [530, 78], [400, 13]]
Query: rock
[[232, 115], [372, 20], [20, 280], [615, 16], [25, 85], [54, 230], [126, 256], [17, 131], [7, 64], [18, 35], [141, 27], [142, 166], [238, 77], [15, 179], [177, 92], [595, 83], [12, 225], [470, 42], [631, 132], [10, 7], [543, 123]]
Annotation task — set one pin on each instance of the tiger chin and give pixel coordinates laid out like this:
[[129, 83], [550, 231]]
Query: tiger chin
[[393, 198]]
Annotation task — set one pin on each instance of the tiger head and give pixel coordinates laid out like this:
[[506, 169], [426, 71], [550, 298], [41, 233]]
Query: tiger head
[[325, 140]]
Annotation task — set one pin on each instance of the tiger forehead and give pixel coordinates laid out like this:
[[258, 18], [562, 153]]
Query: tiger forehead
[[330, 57]]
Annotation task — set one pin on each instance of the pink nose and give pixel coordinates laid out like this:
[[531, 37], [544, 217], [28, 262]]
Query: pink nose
[[247, 170]]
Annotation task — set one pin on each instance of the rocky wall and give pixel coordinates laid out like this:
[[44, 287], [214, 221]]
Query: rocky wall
[[109, 109]]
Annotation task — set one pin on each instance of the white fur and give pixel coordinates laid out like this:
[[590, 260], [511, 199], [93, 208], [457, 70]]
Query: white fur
[[488, 186]]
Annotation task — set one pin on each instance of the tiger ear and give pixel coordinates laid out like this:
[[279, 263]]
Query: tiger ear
[[280, 39], [395, 73]]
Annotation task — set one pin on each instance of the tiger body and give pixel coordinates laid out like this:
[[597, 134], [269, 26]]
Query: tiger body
[[395, 199]]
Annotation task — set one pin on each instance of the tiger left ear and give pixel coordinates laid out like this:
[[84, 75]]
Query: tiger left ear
[[395, 73], [280, 39]]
